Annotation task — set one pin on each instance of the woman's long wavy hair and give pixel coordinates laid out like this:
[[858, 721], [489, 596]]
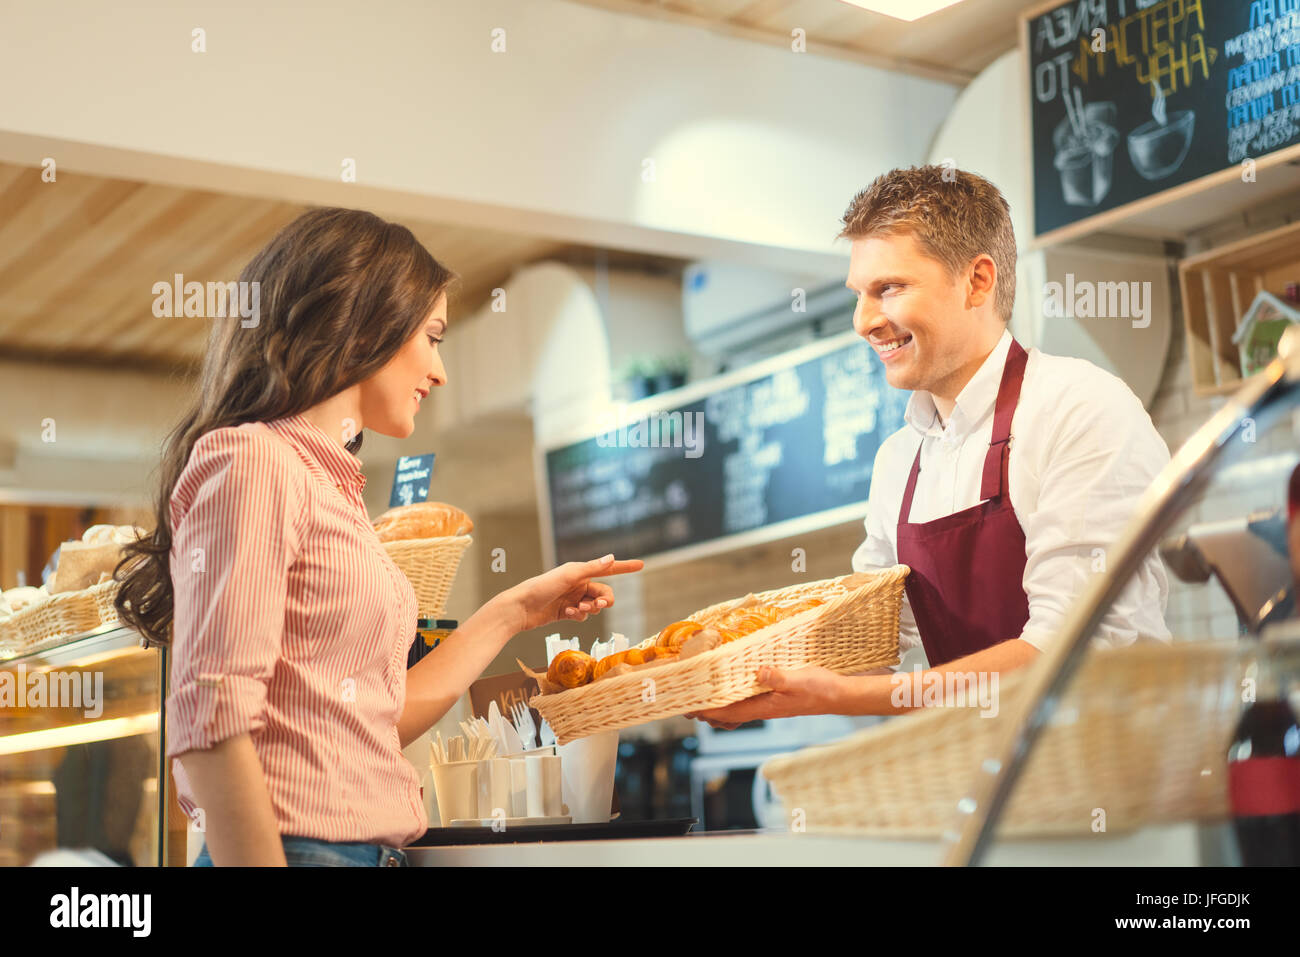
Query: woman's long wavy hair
[[341, 291]]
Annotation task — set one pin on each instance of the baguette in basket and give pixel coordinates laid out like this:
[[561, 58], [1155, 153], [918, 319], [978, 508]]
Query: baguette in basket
[[422, 520], [426, 541]]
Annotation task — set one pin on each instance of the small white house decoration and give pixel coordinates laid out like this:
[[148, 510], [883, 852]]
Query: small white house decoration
[[1260, 330]]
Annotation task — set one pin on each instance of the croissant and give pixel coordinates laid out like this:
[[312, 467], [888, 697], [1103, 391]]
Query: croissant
[[571, 668], [599, 669], [800, 607], [746, 622], [675, 635], [634, 656]]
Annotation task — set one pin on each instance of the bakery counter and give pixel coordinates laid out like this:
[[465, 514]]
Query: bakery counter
[[1171, 846]]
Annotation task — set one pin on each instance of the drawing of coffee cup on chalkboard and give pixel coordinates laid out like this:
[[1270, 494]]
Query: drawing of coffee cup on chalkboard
[[1085, 144], [1159, 146]]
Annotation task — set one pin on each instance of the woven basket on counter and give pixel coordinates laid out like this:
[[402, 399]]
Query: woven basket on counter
[[64, 615], [1141, 734], [855, 630], [430, 564]]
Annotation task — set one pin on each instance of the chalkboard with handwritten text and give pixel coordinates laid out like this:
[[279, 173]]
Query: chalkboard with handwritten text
[[785, 444], [1131, 97], [411, 480]]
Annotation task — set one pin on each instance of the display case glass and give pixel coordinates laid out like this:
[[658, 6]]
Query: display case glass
[[80, 752]]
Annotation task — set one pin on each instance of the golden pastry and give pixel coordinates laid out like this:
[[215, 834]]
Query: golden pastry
[[800, 607], [674, 635], [571, 669]]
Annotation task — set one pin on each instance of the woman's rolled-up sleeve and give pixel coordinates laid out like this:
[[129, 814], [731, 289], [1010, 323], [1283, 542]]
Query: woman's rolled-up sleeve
[[235, 513]]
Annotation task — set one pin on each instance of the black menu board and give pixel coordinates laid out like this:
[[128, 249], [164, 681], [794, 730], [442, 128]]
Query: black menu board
[[795, 437], [1132, 97]]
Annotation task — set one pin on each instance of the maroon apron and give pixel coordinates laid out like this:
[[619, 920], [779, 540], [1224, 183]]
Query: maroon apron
[[966, 587]]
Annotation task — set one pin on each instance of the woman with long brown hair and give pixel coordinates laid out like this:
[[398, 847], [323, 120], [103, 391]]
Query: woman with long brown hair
[[288, 624]]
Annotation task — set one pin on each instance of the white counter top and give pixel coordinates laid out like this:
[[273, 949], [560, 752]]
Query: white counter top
[[1175, 845]]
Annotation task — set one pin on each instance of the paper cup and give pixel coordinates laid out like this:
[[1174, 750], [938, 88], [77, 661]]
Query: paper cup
[[545, 786], [456, 787], [549, 749], [518, 788], [587, 767], [494, 782]]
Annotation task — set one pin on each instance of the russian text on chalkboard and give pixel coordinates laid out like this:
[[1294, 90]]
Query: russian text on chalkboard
[[1129, 98]]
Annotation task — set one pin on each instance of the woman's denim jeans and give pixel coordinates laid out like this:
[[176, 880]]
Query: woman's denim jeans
[[309, 852]]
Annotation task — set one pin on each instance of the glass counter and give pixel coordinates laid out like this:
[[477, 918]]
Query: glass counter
[[80, 753]]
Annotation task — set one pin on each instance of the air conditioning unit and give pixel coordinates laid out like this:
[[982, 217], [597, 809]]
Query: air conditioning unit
[[730, 309]]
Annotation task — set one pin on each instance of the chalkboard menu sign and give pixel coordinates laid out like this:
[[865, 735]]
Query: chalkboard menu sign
[[411, 480], [1132, 97], [792, 438]]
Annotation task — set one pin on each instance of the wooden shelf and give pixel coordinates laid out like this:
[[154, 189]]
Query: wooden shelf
[[1218, 287]]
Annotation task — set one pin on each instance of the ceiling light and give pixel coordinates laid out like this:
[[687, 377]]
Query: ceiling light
[[908, 10]]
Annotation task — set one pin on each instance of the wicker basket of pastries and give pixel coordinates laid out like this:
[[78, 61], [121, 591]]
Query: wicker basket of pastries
[[426, 540], [77, 598], [712, 658], [1142, 733]]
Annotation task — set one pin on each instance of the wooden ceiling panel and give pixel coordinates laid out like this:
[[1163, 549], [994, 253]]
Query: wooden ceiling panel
[[79, 259], [80, 277], [217, 255], [75, 219], [201, 252]]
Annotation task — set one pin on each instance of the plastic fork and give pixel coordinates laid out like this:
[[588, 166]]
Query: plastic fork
[[523, 721], [546, 735]]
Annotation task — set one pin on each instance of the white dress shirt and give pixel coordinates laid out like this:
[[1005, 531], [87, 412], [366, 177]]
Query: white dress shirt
[[1083, 450]]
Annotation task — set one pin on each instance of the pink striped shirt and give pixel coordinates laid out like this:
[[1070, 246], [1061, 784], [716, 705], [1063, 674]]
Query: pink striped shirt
[[292, 624]]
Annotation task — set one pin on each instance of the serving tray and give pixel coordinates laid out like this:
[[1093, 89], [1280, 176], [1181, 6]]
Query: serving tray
[[529, 833]]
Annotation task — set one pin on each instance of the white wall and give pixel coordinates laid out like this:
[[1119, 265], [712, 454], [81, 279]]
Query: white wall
[[107, 429], [749, 142]]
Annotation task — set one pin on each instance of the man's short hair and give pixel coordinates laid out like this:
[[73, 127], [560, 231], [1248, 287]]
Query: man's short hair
[[953, 215]]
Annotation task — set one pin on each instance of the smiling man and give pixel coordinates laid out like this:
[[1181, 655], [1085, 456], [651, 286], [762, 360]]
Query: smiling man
[[1014, 471]]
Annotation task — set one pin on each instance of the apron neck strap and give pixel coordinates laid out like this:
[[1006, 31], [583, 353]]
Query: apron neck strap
[[994, 480]]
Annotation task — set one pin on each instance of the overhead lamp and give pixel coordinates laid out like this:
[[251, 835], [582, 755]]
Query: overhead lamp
[[908, 10]]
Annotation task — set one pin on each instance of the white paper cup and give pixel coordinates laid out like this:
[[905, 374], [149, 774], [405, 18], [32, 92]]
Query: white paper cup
[[549, 749], [587, 767], [518, 788], [533, 802], [456, 787], [494, 781], [545, 786]]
